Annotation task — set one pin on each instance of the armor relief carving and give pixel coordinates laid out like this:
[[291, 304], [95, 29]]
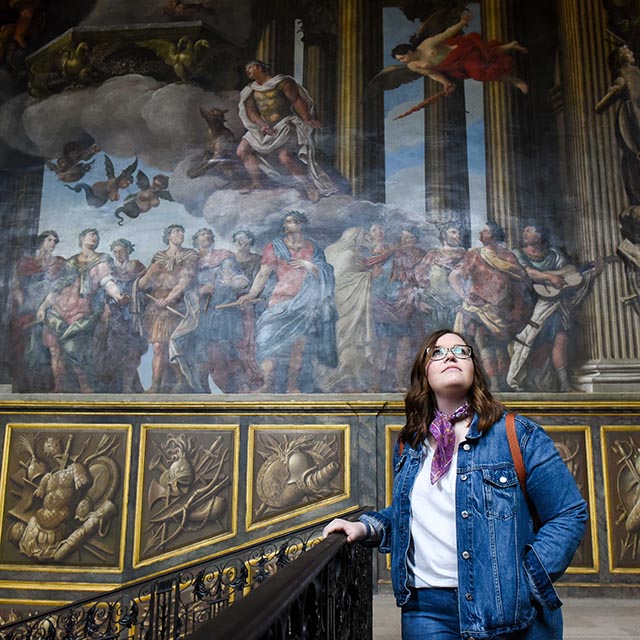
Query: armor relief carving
[[621, 470], [187, 489], [64, 497], [293, 469]]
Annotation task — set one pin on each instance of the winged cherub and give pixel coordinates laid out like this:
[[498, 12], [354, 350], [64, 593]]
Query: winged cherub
[[450, 55], [74, 161], [99, 193], [149, 196]]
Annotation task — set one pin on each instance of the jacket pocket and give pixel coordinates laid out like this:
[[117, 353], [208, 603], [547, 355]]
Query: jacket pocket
[[500, 492]]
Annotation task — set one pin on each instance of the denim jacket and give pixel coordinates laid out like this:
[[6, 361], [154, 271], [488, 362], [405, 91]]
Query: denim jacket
[[505, 569]]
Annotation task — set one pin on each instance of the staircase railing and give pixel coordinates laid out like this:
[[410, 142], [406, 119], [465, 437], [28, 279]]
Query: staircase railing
[[325, 594], [175, 604]]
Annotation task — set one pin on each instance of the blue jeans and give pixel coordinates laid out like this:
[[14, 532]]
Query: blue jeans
[[433, 613]]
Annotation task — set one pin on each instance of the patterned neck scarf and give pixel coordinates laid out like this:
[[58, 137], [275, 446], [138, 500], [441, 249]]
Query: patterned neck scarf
[[444, 434]]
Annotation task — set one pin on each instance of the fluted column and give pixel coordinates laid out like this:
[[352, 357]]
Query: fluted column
[[319, 75], [446, 166], [360, 127], [610, 332], [502, 146], [275, 21]]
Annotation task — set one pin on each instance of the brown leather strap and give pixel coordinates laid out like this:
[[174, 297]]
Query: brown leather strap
[[516, 454], [518, 462]]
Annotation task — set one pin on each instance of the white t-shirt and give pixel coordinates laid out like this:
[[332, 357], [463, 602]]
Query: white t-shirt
[[432, 558]]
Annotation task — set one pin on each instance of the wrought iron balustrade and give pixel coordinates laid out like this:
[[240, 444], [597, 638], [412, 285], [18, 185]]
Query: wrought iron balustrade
[[326, 594], [174, 605]]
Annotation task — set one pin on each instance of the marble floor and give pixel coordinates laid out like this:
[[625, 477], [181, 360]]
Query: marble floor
[[584, 618]]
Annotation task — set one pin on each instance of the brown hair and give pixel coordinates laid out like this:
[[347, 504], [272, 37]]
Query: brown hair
[[420, 403]]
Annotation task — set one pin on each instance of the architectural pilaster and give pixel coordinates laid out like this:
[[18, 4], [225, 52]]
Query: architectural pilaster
[[610, 332]]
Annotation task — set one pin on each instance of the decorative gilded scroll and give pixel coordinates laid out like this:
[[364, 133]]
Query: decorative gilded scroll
[[187, 489], [293, 469], [64, 496], [621, 469]]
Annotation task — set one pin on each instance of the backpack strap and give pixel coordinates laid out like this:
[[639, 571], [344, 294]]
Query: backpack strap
[[521, 471]]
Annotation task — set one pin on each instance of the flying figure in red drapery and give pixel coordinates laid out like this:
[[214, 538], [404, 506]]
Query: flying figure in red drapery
[[447, 56]]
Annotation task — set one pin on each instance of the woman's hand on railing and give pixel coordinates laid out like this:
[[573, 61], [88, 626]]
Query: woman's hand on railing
[[353, 530]]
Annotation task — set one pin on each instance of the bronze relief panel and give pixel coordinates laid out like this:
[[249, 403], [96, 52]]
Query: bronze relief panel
[[187, 489], [621, 470], [64, 493], [294, 469]]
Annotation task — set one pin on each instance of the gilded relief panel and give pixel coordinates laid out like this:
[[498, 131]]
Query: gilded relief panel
[[294, 469], [187, 489], [621, 469], [64, 497]]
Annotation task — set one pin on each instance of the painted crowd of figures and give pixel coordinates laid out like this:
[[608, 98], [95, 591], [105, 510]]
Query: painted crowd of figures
[[295, 318]]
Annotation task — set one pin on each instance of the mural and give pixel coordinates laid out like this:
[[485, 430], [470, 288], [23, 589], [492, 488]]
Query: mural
[[243, 197]]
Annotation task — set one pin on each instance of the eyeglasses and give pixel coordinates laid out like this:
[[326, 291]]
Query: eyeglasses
[[463, 351]]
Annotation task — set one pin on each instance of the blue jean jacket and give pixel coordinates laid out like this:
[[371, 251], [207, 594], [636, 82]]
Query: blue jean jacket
[[505, 569]]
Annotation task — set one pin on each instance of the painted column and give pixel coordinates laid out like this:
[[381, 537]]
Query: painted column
[[610, 332], [501, 114], [319, 76], [276, 39], [445, 152], [359, 126]]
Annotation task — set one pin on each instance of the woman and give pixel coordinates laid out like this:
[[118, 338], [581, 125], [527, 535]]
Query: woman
[[466, 561]]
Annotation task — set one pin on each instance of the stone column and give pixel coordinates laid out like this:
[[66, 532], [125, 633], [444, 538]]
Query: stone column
[[360, 127], [610, 332], [501, 116], [446, 166]]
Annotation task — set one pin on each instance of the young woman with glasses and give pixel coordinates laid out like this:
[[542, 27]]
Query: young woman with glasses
[[467, 560]]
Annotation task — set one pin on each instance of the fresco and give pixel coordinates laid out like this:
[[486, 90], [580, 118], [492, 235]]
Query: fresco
[[256, 198]]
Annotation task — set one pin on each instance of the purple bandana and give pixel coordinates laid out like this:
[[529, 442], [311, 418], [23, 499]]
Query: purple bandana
[[444, 434]]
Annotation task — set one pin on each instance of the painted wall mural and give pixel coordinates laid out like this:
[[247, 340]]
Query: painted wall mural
[[275, 197]]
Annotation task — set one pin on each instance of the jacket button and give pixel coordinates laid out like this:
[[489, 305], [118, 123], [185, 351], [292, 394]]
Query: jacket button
[[503, 479], [466, 446], [464, 477], [465, 514], [466, 555], [468, 596]]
